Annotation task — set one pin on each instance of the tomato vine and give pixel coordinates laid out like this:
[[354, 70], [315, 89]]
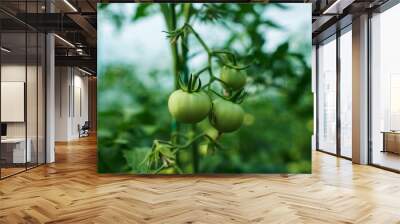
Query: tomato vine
[[192, 102]]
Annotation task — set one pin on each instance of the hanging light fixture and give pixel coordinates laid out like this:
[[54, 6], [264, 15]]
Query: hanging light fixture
[[5, 50], [70, 5], [64, 40], [84, 71]]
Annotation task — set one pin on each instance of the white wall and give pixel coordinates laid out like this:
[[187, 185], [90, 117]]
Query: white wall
[[12, 73], [62, 82], [71, 102], [33, 126], [80, 109]]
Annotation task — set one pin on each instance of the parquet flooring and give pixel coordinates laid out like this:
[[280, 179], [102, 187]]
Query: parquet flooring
[[70, 191], [11, 170]]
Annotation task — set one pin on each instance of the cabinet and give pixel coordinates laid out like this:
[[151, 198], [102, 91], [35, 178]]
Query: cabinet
[[391, 142]]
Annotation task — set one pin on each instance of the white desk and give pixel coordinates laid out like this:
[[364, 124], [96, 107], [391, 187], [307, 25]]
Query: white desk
[[19, 155]]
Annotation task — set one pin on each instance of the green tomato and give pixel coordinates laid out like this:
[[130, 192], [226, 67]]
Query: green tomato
[[235, 79], [226, 116], [189, 107]]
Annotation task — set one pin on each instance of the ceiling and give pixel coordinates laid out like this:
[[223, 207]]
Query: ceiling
[[74, 22], [329, 15]]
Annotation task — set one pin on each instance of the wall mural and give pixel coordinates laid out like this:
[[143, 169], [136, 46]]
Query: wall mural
[[204, 88]]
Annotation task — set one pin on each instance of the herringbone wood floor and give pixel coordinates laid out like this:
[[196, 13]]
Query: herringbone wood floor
[[70, 191]]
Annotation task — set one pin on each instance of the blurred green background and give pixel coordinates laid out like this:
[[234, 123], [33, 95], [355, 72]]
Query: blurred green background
[[136, 77]]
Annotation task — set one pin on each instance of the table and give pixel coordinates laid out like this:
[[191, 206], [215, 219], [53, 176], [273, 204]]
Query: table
[[15, 148]]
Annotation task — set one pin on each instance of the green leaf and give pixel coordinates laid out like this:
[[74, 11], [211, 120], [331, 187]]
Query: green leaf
[[102, 6], [166, 151], [121, 140], [142, 11], [282, 51], [104, 133], [283, 48], [135, 157], [272, 24], [149, 129], [111, 160], [167, 15], [281, 6]]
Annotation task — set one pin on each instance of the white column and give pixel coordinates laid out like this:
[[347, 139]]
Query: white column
[[62, 103], [50, 99], [360, 90]]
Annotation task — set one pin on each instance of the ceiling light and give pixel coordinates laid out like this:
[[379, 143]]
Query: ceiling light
[[5, 50], [65, 41], [84, 71], [70, 5], [326, 11], [79, 51]]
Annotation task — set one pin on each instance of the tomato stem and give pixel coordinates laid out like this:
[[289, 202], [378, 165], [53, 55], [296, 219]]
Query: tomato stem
[[199, 38], [233, 66], [151, 159], [232, 55], [197, 74]]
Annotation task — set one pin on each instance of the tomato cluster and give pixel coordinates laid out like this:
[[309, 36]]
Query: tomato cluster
[[192, 105], [188, 107]]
